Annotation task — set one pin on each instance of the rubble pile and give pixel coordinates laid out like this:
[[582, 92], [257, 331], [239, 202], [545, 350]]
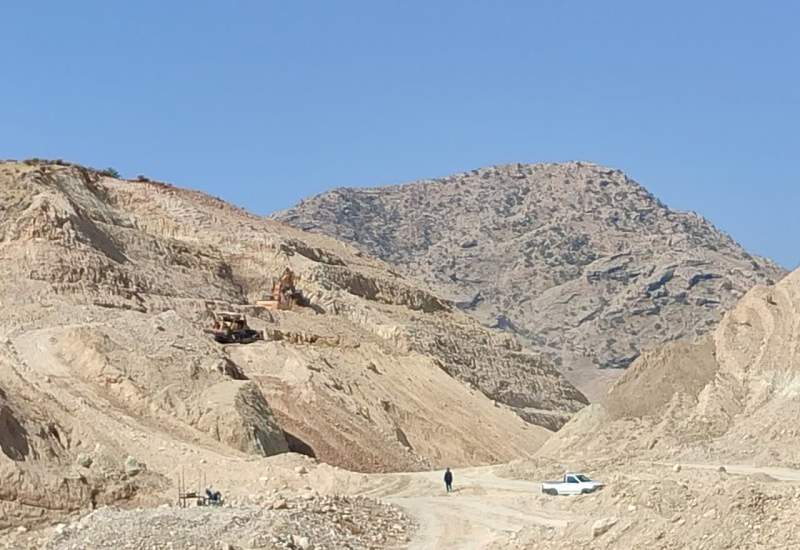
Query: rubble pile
[[303, 522]]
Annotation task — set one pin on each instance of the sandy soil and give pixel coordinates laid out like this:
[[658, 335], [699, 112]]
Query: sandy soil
[[487, 511]]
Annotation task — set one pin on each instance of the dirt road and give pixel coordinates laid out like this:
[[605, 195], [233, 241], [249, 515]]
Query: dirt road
[[486, 510], [483, 509]]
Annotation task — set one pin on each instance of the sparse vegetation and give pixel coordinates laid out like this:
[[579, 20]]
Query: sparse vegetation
[[110, 172]]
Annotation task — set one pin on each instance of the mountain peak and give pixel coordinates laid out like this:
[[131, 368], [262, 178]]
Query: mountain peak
[[568, 253]]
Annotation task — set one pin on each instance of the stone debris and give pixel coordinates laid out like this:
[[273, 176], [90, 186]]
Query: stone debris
[[322, 523], [601, 526], [84, 460], [133, 466]]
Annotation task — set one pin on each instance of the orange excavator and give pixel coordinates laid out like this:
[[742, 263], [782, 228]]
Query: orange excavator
[[285, 295]]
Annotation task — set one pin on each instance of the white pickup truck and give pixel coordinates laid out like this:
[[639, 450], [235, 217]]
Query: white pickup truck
[[572, 484]]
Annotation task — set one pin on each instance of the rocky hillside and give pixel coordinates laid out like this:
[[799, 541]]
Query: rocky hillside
[[731, 397], [109, 386], [578, 259], [697, 443]]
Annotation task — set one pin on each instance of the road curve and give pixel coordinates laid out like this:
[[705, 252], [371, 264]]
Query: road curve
[[483, 509]]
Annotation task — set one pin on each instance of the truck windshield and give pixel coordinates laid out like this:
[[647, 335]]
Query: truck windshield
[[583, 478]]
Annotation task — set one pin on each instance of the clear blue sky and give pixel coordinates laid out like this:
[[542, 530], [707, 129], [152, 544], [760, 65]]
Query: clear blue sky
[[263, 103]]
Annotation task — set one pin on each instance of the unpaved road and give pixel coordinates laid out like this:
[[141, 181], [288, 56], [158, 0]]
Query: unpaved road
[[483, 509]]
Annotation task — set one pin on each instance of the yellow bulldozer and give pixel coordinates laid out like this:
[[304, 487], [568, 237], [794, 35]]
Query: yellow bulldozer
[[231, 328]]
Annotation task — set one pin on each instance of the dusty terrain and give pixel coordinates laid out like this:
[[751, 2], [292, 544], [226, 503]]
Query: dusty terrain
[[307, 521], [109, 385], [110, 391], [731, 396], [672, 420], [646, 505], [696, 443], [578, 259]]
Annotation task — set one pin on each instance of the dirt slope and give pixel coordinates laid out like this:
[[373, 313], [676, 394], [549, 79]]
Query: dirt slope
[[733, 396], [578, 259], [105, 289]]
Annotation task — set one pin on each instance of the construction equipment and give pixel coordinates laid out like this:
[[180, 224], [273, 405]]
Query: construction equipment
[[285, 295], [232, 328], [208, 498]]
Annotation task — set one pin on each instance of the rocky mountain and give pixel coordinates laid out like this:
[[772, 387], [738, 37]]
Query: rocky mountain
[[579, 260], [110, 388]]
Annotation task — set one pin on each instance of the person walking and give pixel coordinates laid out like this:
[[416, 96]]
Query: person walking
[[448, 480]]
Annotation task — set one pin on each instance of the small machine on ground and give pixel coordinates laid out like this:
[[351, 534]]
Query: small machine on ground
[[187, 497], [232, 328]]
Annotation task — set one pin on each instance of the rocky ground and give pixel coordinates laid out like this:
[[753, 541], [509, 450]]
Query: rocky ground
[[579, 260], [671, 507], [644, 504], [304, 523]]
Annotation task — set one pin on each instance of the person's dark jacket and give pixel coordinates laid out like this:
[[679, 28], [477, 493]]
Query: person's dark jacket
[[448, 477]]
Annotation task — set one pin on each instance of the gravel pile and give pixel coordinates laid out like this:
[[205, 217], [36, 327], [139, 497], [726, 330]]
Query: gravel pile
[[303, 523]]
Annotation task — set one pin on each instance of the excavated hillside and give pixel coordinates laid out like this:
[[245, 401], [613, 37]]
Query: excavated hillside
[[732, 396], [697, 443], [578, 259], [109, 384]]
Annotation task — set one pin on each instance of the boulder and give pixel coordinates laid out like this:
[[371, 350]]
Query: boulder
[[84, 460], [133, 467], [601, 526]]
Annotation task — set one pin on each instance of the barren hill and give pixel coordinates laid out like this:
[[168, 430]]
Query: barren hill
[[733, 395], [697, 441], [106, 287], [578, 259]]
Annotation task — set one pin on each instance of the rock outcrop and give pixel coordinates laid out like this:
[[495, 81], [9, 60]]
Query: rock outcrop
[[577, 259]]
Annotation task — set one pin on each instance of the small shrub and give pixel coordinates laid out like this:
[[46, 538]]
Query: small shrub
[[110, 172]]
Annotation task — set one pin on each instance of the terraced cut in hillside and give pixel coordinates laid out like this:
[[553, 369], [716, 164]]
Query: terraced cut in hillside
[[109, 386], [579, 260]]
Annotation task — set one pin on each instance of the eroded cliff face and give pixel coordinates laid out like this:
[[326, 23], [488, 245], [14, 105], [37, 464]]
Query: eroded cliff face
[[577, 259], [106, 287]]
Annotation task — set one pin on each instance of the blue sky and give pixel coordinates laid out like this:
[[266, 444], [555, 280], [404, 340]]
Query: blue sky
[[263, 103]]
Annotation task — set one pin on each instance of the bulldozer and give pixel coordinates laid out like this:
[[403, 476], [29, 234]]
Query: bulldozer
[[231, 328]]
